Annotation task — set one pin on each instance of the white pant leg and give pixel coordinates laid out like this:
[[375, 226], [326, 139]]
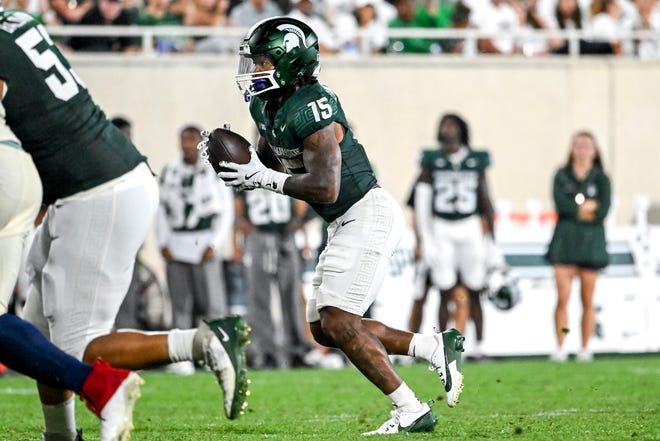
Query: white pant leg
[[20, 199], [471, 254], [83, 256], [356, 259], [460, 250], [444, 268]]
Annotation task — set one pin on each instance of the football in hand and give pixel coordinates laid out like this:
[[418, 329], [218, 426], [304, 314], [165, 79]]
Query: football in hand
[[228, 146]]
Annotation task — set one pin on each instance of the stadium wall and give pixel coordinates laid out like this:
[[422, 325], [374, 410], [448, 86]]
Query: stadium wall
[[522, 110]]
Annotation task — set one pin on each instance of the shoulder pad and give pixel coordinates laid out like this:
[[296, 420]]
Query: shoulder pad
[[482, 157], [427, 157]]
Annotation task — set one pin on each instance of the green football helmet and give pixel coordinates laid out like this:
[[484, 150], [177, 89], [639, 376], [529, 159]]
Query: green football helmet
[[292, 48]]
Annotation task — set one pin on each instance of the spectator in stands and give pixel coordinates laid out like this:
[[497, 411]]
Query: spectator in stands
[[460, 19], [339, 16], [647, 18], [569, 15], [165, 13], [38, 9], [531, 19], [372, 25], [410, 16], [581, 191], [206, 13], [107, 13], [441, 11], [303, 10], [606, 23], [70, 12], [250, 12], [497, 16], [210, 13]]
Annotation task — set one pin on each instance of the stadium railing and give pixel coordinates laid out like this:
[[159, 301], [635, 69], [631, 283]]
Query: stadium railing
[[148, 34]]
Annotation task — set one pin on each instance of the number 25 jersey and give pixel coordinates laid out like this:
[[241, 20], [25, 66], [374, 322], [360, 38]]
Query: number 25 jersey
[[455, 181]]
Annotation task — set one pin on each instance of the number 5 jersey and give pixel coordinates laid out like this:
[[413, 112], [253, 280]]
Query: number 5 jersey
[[72, 143]]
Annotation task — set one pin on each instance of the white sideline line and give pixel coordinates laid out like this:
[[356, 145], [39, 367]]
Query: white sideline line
[[564, 412], [323, 418], [13, 391]]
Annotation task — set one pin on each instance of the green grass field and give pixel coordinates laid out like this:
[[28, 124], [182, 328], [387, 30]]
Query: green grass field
[[610, 399]]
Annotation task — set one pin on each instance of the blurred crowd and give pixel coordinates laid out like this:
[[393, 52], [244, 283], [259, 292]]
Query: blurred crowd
[[351, 26]]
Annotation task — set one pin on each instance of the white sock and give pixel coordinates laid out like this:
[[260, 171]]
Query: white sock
[[422, 346], [60, 420], [180, 344], [404, 398]]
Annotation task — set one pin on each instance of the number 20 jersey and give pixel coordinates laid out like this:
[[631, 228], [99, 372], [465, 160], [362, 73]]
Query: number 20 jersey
[[455, 182], [308, 110], [72, 143]]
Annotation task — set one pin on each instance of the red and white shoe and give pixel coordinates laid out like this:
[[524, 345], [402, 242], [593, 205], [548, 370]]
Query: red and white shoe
[[111, 394]]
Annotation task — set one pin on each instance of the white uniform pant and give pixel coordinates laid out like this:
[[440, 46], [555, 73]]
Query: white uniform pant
[[20, 199], [355, 261], [460, 249], [81, 261]]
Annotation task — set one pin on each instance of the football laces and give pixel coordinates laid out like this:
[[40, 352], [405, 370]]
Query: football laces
[[203, 148]]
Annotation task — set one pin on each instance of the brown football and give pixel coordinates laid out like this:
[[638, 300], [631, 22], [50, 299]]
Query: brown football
[[225, 145]]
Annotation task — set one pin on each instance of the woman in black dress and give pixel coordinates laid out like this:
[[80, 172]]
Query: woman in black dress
[[581, 192]]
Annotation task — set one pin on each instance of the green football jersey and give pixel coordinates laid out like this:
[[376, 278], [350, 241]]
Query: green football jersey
[[455, 185], [308, 110], [72, 143], [267, 211]]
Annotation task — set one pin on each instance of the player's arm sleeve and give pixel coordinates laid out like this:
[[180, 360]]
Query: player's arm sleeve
[[564, 201], [317, 114], [266, 155], [604, 197], [423, 215]]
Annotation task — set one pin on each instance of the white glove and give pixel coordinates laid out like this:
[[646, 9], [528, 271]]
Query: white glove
[[252, 175]]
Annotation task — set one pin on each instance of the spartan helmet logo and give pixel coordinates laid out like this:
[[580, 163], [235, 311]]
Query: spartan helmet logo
[[294, 37]]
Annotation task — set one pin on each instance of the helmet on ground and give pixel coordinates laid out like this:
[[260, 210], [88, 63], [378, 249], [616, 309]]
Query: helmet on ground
[[289, 45], [502, 289]]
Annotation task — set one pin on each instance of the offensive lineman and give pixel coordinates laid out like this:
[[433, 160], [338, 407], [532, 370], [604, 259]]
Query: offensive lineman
[[110, 392], [101, 198], [301, 123]]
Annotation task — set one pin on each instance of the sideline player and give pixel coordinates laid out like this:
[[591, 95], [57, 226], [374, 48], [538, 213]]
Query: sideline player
[[454, 216], [303, 129], [101, 199]]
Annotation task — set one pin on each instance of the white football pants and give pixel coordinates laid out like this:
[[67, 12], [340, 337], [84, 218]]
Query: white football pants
[[81, 261]]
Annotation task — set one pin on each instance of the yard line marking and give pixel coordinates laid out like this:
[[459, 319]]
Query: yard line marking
[[13, 391]]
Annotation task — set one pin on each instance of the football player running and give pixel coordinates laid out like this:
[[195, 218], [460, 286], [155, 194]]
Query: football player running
[[101, 198], [312, 155], [454, 216]]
